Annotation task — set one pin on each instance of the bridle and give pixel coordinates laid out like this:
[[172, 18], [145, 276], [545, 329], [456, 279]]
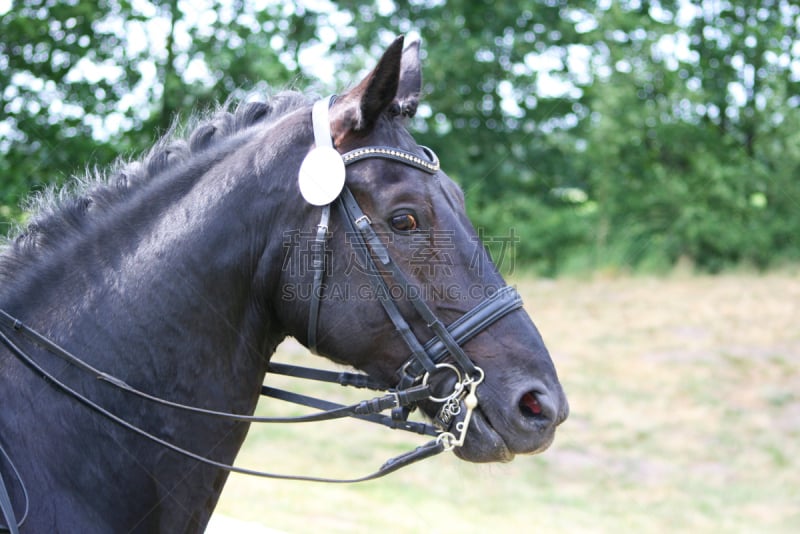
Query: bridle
[[422, 364], [414, 386]]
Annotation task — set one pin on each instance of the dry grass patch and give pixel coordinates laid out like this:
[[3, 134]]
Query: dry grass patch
[[685, 397]]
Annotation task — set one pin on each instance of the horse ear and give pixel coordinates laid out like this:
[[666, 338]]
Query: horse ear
[[365, 103], [410, 81]]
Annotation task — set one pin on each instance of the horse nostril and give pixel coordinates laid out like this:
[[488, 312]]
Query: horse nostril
[[529, 405]]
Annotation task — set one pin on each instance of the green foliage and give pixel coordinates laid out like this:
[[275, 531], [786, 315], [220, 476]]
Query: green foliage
[[684, 149], [619, 135], [87, 81]]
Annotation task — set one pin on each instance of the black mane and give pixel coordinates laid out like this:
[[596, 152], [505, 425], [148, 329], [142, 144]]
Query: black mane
[[58, 212]]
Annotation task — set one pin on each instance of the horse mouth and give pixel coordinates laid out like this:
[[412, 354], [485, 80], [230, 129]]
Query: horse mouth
[[494, 437], [486, 442], [483, 443]]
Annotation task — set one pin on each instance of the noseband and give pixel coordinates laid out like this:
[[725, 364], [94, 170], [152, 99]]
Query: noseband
[[426, 359]]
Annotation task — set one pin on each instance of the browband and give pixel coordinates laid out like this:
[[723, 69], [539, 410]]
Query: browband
[[385, 152]]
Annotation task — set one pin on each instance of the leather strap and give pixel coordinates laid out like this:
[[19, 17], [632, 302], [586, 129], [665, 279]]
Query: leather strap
[[321, 122], [367, 410], [386, 152], [425, 451], [360, 227], [8, 509], [498, 305], [318, 267], [388, 401], [322, 138], [371, 239], [343, 378]]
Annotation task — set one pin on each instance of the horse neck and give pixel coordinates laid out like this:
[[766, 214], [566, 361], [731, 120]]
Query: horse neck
[[171, 293], [162, 288]]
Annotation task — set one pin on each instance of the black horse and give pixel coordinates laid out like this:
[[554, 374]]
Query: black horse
[[181, 274]]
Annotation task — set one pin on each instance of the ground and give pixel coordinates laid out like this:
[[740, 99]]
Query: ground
[[685, 417]]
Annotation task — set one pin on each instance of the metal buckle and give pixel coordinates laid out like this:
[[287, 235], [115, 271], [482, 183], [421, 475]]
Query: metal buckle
[[457, 389], [363, 218]]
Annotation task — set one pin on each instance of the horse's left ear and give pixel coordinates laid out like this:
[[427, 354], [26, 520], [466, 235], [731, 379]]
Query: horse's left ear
[[358, 110], [410, 85]]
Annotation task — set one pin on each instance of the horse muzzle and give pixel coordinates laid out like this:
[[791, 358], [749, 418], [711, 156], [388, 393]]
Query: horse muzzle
[[498, 432]]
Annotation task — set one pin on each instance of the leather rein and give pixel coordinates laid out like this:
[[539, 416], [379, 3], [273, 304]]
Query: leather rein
[[414, 386]]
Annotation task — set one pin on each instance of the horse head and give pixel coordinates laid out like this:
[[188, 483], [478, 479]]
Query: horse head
[[413, 246]]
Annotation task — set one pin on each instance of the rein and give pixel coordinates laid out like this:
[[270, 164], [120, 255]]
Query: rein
[[6, 508], [424, 451], [414, 386], [465, 328]]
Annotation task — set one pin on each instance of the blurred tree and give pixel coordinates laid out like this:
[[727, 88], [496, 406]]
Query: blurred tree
[[682, 142], [608, 134], [501, 95], [53, 93], [77, 74]]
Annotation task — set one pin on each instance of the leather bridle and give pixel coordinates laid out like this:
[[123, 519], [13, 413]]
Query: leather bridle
[[414, 386], [422, 364]]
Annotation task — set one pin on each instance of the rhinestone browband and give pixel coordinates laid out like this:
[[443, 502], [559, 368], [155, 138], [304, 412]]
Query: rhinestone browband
[[431, 167]]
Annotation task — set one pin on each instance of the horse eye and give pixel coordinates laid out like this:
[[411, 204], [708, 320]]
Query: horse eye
[[404, 223]]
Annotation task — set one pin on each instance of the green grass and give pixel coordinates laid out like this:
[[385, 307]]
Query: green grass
[[685, 399]]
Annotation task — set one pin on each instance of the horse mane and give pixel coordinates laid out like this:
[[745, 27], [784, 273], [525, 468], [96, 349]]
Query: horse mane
[[56, 213]]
